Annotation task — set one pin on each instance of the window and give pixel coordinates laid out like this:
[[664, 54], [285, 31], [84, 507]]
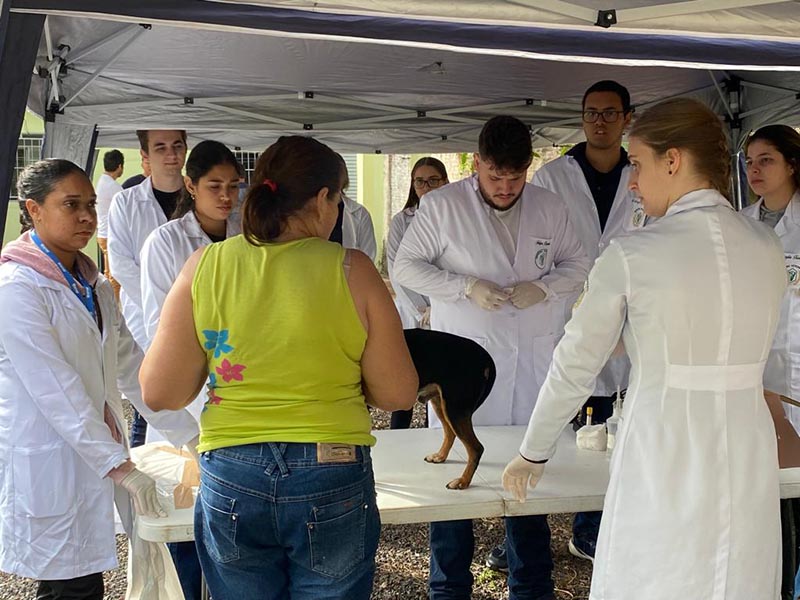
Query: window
[[351, 160], [29, 150], [248, 160]]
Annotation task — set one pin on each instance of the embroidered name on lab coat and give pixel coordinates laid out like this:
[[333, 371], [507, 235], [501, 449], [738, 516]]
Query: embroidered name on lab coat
[[542, 248], [793, 269]]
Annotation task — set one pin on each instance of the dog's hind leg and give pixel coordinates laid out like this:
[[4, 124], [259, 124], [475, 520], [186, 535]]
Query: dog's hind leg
[[464, 431], [449, 435]]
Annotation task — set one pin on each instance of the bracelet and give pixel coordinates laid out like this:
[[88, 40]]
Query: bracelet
[[536, 462]]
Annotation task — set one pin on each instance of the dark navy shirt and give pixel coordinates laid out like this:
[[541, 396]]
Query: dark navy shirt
[[603, 185]]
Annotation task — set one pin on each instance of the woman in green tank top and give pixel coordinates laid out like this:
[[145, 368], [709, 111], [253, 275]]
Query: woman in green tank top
[[297, 336]]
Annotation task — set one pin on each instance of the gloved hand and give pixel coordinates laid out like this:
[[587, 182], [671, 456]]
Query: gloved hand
[[142, 489], [519, 474], [487, 295], [191, 446], [425, 318], [527, 294]]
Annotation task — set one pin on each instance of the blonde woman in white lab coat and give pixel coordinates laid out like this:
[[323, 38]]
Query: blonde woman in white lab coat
[[61, 442], [691, 509], [773, 171]]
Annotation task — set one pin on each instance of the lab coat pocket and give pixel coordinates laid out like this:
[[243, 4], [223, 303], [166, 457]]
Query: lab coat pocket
[[44, 481], [543, 347]]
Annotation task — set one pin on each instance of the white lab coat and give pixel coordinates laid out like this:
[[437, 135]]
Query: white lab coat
[[357, 229], [163, 255], [134, 214], [692, 507], [56, 374], [452, 239], [409, 303], [106, 189], [564, 177], [782, 374]]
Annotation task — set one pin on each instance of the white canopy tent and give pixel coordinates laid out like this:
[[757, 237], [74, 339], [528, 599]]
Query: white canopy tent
[[384, 76]]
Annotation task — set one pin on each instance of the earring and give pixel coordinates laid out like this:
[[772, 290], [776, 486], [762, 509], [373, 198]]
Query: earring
[[670, 171]]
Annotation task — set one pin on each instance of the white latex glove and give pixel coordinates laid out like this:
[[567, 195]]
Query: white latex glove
[[191, 446], [487, 295], [526, 294], [142, 489], [425, 318], [519, 474]]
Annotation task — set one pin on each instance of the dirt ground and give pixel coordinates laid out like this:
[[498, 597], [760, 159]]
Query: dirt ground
[[402, 569]]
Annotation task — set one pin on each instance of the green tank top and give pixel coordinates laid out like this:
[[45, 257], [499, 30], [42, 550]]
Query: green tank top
[[284, 345]]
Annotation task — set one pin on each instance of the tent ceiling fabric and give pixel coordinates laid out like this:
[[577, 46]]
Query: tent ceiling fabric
[[246, 87], [721, 17]]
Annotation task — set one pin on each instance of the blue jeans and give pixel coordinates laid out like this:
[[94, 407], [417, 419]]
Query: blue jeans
[[187, 565], [586, 525], [530, 564], [138, 429], [273, 523]]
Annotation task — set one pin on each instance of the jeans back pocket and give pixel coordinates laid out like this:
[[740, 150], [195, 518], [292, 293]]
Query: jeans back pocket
[[219, 525], [336, 536]]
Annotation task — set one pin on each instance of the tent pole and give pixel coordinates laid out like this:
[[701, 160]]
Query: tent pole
[[103, 67]]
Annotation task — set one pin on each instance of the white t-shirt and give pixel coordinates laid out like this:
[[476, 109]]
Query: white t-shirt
[[105, 189]]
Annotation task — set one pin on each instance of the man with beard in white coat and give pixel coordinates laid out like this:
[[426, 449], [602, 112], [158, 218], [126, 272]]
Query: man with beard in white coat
[[133, 215], [497, 257], [691, 509], [592, 178]]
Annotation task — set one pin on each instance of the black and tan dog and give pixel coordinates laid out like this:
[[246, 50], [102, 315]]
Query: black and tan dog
[[456, 375]]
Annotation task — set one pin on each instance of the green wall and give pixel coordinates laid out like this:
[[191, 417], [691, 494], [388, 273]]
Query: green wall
[[371, 191]]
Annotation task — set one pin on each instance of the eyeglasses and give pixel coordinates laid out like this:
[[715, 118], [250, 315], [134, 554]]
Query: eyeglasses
[[609, 116], [431, 182]]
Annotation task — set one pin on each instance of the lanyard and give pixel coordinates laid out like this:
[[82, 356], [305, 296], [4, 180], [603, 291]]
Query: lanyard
[[85, 296]]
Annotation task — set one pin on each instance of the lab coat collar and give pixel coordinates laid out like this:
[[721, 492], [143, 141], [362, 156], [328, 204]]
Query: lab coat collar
[[23, 251], [147, 194], [792, 209], [192, 228], [698, 199], [350, 205]]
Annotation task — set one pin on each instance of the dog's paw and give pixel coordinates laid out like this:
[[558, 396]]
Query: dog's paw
[[437, 458], [458, 484]]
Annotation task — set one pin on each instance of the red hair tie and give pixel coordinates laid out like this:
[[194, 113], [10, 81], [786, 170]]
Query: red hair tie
[[271, 185]]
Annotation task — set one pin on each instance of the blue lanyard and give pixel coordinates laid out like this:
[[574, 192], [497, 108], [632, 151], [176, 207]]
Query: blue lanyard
[[85, 296]]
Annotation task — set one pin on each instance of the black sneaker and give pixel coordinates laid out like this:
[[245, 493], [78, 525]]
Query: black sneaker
[[497, 559], [581, 549]]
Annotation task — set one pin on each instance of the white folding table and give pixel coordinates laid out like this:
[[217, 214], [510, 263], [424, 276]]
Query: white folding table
[[413, 491]]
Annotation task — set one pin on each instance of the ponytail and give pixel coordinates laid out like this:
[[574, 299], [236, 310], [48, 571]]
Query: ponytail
[[287, 176]]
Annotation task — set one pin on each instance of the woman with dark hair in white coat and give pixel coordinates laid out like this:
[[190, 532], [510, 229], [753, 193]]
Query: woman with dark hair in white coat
[[202, 216], [773, 171], [692, 504], [61, 443]]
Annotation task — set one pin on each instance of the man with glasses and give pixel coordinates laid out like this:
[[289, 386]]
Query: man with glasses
[[497, 257], [592, 178]]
